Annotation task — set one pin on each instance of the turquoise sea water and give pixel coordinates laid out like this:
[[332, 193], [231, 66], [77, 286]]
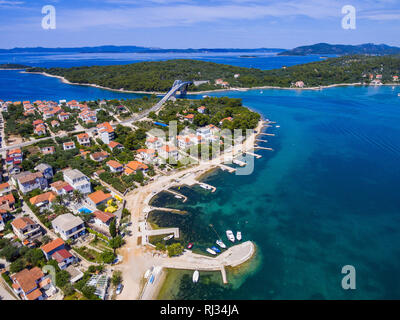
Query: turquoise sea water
[[326, 197]]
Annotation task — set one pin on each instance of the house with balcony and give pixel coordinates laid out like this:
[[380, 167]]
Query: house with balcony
[[169, 152], [26, 229], [77, 180], [50, 248], [113, 145], [148, 155], [32, 284], [61, 187], [5, 188], [44, 200], [28, 181], [133, 166], [102, 219], [153, 143], [63, 116], [48, 150], [83, 139], [68, 226], [69, 145], [106, 132], [115, 166]]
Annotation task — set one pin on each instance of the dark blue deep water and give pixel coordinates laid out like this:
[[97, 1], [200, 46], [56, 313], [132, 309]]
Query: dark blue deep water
[[328, 196]]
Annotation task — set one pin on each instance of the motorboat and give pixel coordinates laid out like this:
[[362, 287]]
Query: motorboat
[[211, 251], [215, 249], [230, 235], [238, 235], [221, 244], [196, 275], [190, 245], [168, 237]]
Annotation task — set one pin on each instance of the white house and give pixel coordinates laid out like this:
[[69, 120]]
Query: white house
[[69, 145], [28, 181], [68, 226], [77, 180]]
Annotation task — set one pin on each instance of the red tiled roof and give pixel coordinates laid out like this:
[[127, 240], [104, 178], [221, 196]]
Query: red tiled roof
[[52, 245]]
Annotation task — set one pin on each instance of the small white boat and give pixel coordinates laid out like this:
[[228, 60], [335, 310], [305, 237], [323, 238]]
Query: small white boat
[[205, 187], [196, 275], [398, 94], [211, 251], [239, 235], [230, 235], [168, 237], [277, 126], [178, 197], [221, 244]]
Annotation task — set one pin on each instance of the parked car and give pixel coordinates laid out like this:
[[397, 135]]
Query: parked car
[[119, 289]]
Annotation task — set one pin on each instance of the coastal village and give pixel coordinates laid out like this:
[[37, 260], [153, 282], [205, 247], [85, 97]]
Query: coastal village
[[76, 183]]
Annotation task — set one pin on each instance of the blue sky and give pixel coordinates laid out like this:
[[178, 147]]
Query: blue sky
[[197, 24]]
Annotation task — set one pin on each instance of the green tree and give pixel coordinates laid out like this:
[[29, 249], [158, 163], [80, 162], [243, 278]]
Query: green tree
[[116, 278], [113, 228]]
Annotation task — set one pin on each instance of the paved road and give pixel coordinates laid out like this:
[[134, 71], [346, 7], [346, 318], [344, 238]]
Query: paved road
[[4, 293]]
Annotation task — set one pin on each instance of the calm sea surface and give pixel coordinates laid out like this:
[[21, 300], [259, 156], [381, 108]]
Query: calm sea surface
[[328, 196]]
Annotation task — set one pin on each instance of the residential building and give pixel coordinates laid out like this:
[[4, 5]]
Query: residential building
[[299, 84], [189, 117], [5, 188], [26, 229], [77, 180], [106, 132], [201, 109], [147, 154], [99, 156], [154, 143], [115, 166], [32, 284], [44, 199], [102, 219], [83, 139], [133, 166], [113, 145], [63, 116], [88, 116], [69, 145], [55, 123], [61, 187], [45, 169], [99, 197], [68, 226], [7, 202], [50, 248], [28, 181], [169, 152], [48, 150], [225, 119], [183, 142], [64, 258]]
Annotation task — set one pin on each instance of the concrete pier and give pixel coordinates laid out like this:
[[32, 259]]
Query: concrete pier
[[177, 194], [151, 208], [258, 156], [267, 134], [240, 163], [227, 168], [263, 148], [261, 140]]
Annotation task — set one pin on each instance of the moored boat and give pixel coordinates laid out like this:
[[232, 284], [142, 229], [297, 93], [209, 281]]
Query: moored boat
[[190, 245], [211, 251], [196, 275], [168, 237], [221, 244], [239, 235], [215, 249], [230, 235]]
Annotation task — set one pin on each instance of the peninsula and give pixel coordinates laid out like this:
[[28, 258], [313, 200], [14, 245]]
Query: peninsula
[[157, 76]]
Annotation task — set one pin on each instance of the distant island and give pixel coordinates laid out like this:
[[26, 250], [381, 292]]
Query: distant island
[[157, 76], [12, 66], [134, 49], [340, 49]]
